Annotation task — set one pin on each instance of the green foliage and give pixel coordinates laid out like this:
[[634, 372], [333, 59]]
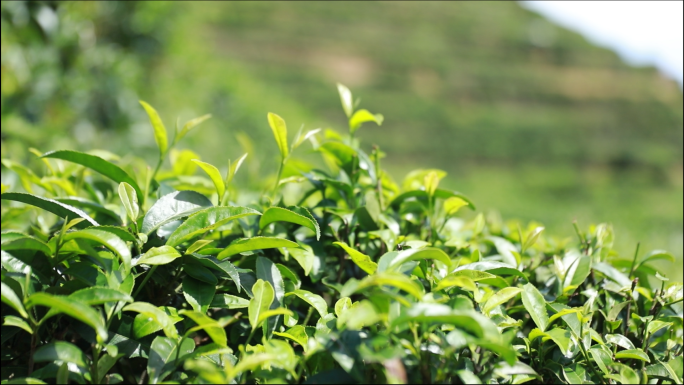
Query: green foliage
[[354, 279]]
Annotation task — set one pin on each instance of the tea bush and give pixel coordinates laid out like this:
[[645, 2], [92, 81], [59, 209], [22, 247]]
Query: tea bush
[[157, 275]]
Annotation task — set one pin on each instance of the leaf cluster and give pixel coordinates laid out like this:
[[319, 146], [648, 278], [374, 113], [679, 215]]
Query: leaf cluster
[[117, 272]]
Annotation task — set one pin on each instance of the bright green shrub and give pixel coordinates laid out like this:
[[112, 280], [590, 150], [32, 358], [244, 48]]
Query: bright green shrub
[[162, 277]]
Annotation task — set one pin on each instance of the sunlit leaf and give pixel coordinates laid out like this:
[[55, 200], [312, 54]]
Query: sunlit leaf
[[361, 260], [171, 207], [206, 220], [98, 164], [61, 351], [315, 300], [60, 209], [363, 116], [535, 305], [255, 243], [129, 199], [302, 217], [214, 175], [261, 302], [279, 132], [159, 130], [158, 256], [72, 308]]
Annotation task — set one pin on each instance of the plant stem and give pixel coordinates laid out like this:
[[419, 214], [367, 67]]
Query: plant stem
[[636, 254], [308, 316], [277, 181], [147, 277]]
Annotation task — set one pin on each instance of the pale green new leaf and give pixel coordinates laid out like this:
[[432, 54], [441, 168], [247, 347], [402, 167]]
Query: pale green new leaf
[[363, 116], [303, 218], [255, 243], [157, 315], [315, 300], [10, 298], [129, 199], [346, 99], [261, 302], [158, 256], [535, 305], [500, 297], [279, 132], [361, 260], [159, 130], [215, 176]]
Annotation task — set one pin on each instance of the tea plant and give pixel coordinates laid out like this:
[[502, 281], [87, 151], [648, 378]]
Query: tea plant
[[157, 275]]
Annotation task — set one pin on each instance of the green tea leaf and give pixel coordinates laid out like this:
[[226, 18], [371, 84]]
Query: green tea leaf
[[61, 351], [114, 243], [86, 204], [72, 308], [60, 209], [361, 260], [620, 340], [470, 320], [612, 273], [98, 164], [273, 312], [156, 315], [215, 176], [304, 255], [279, 132], [159, 130], [578, 271], [99, 295], [227, 301], [315, 300], [393, 260], [500, 297], [346, 99], [454, 280], [205, 220], [18, 241], [256, 243], [198, 294], [278, 214], [634, 354], [261, 302], [129, 199], [453, 204], [342, 305], [532, 238], [616, 309], [397, 280], [363, 116], [11, 320], [656, 325], [189, 125], [171, 207], [158, 256], [535, 305], [496, 268], [163, 353], [297, 334], [209, 325]]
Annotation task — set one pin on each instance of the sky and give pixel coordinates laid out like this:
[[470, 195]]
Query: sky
[[641, 32]]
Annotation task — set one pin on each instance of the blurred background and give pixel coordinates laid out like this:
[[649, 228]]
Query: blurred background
[[528, 118]]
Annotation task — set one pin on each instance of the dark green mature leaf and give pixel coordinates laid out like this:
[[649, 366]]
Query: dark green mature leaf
[[198, 294], [297, 215], [205, 220], [200, 273], [72, 308], [662, 371], [61, 351], [86, 204], [255, 243], [18, 241], [58, 208], [361, 260], [105, 238], [209, 325], [163, 353], [393, 260], [224, 266], [171, 207], [98, 164], [535, 305]]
